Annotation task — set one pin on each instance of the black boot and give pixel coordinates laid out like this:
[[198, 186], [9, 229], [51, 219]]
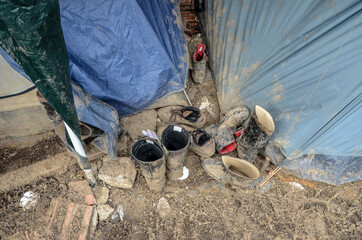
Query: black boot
[[258, 130], [151, 159], [176, 140]]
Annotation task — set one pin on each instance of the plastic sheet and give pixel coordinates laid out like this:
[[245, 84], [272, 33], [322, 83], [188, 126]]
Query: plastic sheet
[[301, 61]]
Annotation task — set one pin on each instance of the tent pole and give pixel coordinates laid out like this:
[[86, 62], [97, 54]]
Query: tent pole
[[187, 97], [82, 160]]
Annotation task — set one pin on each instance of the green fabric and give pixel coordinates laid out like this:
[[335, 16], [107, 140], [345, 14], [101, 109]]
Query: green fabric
[[31, 33]]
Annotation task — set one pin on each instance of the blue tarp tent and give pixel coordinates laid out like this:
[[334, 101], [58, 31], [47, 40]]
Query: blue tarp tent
[[123, 55], [301, 61]]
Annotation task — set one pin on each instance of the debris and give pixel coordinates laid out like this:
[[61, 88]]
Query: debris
[[150, 134], [298, 185], [101, 194], [118, 213], [206, 105], [28, 200], [163, 208], [185, 173], [118, 173], [104, 211]]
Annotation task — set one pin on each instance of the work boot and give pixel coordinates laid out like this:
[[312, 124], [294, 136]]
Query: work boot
[[202, 143], [199, 73], [151, 158], [258, 130], [87, 131], [231, 170], [162, 128], [223, 133], [176, 141], [189, 116]]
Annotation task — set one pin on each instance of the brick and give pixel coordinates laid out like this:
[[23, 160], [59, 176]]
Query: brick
[[72, 210], [86, 222]]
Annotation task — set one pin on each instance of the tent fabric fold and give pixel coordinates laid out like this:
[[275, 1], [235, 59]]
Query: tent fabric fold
[[300, 60]]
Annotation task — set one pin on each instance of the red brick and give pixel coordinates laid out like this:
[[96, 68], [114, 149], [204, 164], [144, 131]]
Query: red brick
[[85, 222], [72, 209]]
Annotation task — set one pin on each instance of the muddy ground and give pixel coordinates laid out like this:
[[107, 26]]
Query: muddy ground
[[201, 208]]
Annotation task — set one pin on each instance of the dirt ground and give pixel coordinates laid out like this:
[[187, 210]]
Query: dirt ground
[[201, 208]]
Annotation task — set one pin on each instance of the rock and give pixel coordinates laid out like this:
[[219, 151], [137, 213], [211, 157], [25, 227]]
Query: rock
[[140, 121], [101, 194], [163, 208], [104, 211], [118, 173]]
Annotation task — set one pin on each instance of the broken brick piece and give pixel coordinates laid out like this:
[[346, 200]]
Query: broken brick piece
[[86, 222]]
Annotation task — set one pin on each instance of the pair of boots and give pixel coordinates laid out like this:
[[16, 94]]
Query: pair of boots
[[200, 73], [154, 158], [240, 171], [190, 118], [254, 136]]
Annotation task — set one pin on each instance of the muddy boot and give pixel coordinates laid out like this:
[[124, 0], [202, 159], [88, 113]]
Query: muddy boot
[[258, 130], [202, 143], [199, 61], [162, 128], [151, 158], [231, 170], [223, 133], [87, 131], [189, 116], [176, 140]]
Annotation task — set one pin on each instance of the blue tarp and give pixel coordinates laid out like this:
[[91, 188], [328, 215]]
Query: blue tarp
[[124, 55], [301, 61]]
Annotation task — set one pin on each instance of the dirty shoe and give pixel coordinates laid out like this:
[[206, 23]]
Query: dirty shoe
[[258, 130], [202, 143], [151, 158], [189, 116], [199, 64], [201, 73], [223, 133], [176, 140], [231, 170]]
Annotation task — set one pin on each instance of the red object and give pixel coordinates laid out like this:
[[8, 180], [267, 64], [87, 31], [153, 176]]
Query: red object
[[238, 133], [231, 147], [200, 52]]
